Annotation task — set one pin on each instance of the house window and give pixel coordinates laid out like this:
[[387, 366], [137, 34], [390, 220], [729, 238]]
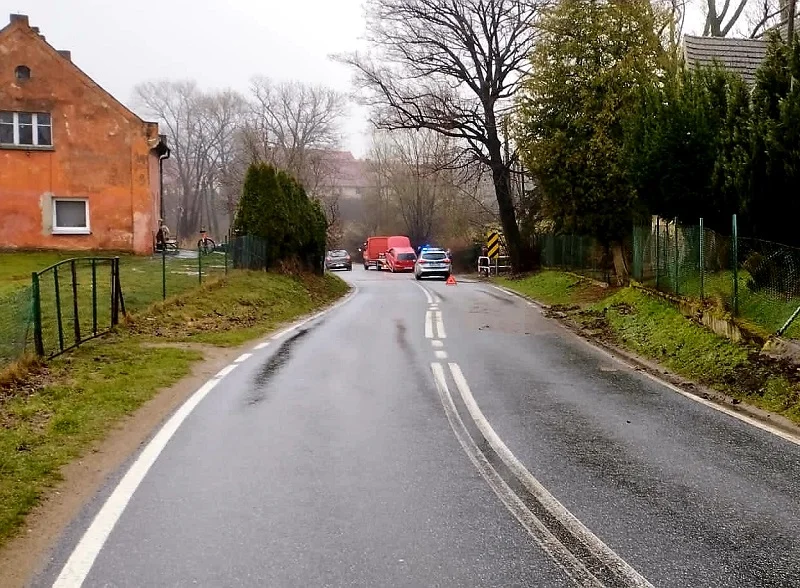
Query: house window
[[32, 129], [23, 72], [71, 216]]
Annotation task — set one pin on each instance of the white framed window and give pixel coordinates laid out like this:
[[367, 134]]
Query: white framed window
[[71, 216], [26, 129]]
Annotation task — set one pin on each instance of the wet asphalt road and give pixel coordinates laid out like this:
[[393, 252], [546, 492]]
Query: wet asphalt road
[[329, 458]]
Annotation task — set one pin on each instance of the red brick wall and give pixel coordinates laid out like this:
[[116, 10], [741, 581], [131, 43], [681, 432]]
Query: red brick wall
[[100, 152]]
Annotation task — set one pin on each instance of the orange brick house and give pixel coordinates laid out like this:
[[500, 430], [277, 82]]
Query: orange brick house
[[78, 170]]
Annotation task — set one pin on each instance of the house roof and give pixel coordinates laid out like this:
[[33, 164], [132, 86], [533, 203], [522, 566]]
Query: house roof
[[21, 21], [741, 56]]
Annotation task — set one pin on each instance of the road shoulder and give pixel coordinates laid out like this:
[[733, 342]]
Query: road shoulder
[[564, 315]]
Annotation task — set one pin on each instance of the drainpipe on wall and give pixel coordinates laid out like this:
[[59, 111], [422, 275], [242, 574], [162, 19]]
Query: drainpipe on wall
[[161, 158]]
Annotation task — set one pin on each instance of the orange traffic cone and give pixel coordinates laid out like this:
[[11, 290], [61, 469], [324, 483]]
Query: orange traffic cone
[[451, 281]]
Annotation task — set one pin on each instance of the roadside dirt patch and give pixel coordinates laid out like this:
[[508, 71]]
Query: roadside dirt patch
[[22, 557]]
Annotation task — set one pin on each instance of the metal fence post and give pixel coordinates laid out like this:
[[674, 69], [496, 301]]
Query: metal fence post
[[735, 255], [163, 272], [199, 265], [702, 262], [227, 245], [677, 259], [75, 311], [58, 310], [94, 296], [36, 301], [658, 239], [114, 294]]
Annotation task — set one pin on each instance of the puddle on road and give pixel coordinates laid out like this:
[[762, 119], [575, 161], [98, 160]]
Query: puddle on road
[[400, 335], [273, 365]]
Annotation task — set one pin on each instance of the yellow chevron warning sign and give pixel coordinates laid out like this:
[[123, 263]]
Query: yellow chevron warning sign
[[493, 244]]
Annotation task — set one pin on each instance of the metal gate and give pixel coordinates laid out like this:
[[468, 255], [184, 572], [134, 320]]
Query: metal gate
[[73, 301]]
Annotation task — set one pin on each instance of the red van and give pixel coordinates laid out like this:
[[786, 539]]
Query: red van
[[374, 252], [401, 259]]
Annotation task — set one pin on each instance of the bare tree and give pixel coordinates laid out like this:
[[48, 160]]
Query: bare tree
[[416, 191], [296, 127], [201, 128], [720, 21], [450, 67]]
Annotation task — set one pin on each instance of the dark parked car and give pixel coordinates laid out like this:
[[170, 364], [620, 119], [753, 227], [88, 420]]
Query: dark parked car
[[338, 259]]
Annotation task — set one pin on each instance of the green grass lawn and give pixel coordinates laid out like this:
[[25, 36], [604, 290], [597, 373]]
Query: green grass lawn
[[143, 280], [761, 312], [554, 287], [56, 414]]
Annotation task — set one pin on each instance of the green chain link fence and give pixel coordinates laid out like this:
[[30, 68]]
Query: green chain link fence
[[755, 280], [579, 254], [79, 298], [15, 324]]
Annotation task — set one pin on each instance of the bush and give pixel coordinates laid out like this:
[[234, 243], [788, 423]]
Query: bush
[[276, 209]]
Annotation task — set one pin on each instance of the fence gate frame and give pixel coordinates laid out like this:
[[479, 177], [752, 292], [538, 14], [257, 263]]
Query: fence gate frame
[[116, 303]]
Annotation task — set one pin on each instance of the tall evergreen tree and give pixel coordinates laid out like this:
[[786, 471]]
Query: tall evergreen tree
[[774, 205], [590, 58]]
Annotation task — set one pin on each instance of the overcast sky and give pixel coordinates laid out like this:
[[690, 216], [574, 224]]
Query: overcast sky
[[218, 43]]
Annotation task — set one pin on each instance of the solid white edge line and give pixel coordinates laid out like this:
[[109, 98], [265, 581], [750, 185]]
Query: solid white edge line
[[261, 345], [82, 558], [243, 357], [441, 354], [226, 370], [428, 324], [440, 325], [602, 551], [548, 542], [437, 343], [758, 424]]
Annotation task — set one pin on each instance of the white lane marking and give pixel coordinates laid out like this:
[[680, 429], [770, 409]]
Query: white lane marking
[[440, 325], [280, 334], [261, 345], [243, 357], [80, 562], [540, 534], [429, 324], [91, 543], [434, 307], [518, 296], [427, 294], [441, 354], [600, 550], [437, 343], [226, 370], [785, 435], [766, 427]]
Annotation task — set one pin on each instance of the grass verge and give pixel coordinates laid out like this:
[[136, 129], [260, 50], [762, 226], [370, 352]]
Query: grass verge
[[555, 288], [57, 411], [655, 329]]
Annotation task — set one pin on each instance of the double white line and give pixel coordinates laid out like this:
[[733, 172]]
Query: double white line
[[434, 325], [558, 551]]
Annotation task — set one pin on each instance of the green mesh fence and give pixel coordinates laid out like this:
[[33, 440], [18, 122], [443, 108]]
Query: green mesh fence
[[756, 280], [15, 324], [575, 253]]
